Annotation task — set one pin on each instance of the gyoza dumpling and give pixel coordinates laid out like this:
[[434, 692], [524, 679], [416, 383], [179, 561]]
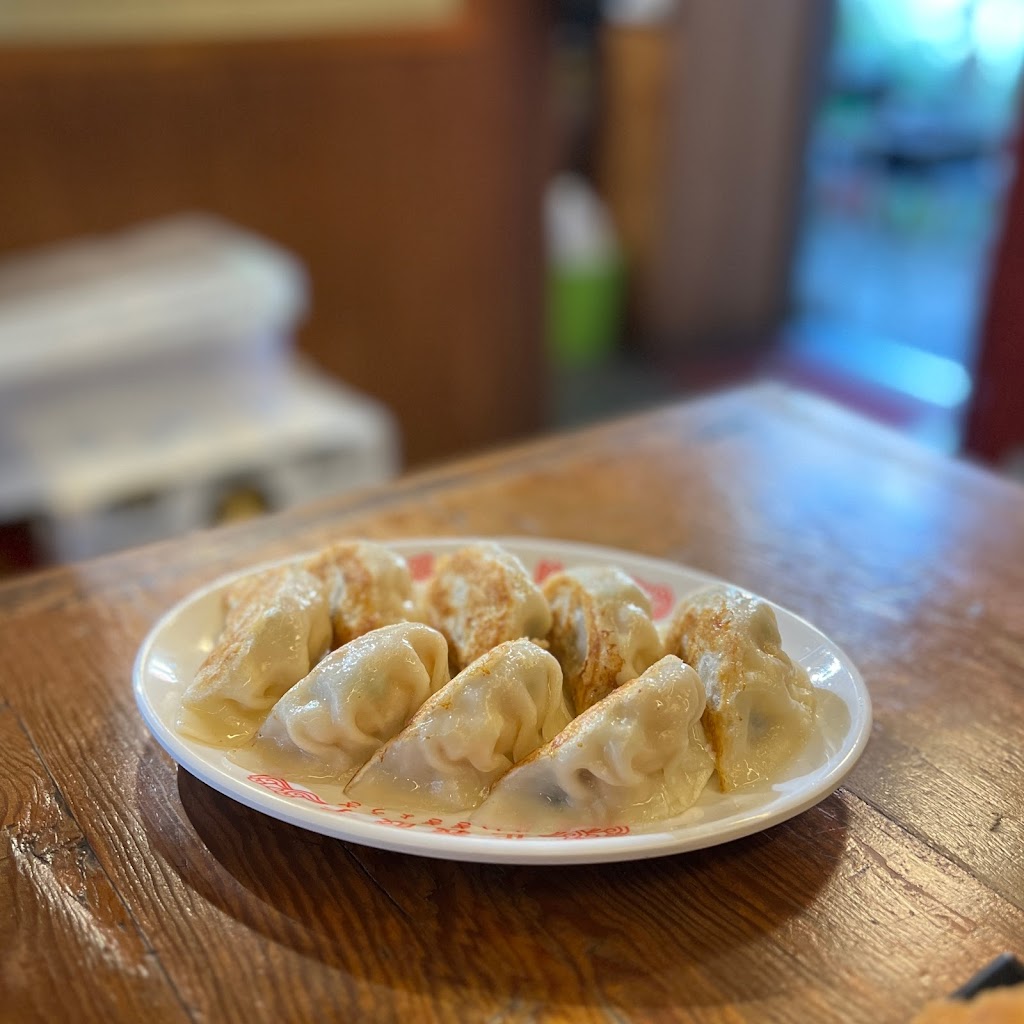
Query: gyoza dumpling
[[492, 714], [637, 755], [368, 587], [276, 628], [357, 698], [481, 596], [760, 706], [601, 633]]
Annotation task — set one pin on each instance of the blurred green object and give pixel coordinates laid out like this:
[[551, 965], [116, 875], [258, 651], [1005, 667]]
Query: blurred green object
[[585, 275], [584, 305]]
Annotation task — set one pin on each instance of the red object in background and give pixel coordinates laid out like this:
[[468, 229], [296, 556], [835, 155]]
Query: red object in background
[[19, 551], [995, 421]]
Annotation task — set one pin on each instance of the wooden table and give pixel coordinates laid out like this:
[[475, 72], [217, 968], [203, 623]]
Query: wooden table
[[130, 891]]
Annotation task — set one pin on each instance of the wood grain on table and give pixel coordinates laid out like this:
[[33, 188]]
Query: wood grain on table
[[130, 890]]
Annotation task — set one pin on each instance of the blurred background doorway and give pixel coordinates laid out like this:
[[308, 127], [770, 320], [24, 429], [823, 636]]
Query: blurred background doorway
[[906, 178]]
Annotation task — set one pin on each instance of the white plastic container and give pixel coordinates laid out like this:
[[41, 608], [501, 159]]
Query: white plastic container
[[129, 326], [148, 378], [321, 439]]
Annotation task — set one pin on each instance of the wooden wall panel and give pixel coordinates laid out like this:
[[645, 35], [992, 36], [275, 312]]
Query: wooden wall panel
[[704, 173], [405, 169]]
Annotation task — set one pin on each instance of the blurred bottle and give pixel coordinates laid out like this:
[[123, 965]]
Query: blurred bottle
[[585, 274]]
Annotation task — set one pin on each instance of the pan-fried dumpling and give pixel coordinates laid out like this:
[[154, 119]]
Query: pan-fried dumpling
[[368, 586], [638, 755], [479, 597], [760, 706], [494, 713], [357, 698], [276, 628], [601, 633]]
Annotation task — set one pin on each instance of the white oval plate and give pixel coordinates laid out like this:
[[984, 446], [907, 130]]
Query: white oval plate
[[176, 646]]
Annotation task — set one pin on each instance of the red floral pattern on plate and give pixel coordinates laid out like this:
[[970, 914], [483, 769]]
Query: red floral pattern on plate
[[589, 833], [285, 788], [662, 597], [545, 568], [421, 565], [439, 826]]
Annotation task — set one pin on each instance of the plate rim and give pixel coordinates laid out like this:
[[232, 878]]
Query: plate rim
[[475, 848]]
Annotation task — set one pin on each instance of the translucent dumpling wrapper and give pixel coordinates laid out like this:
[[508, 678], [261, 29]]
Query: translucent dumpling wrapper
[[492, 714], [276, 628], [601, 632], [760, 705], [368, 586], [355, 699], [479, 597], [638, 755]]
